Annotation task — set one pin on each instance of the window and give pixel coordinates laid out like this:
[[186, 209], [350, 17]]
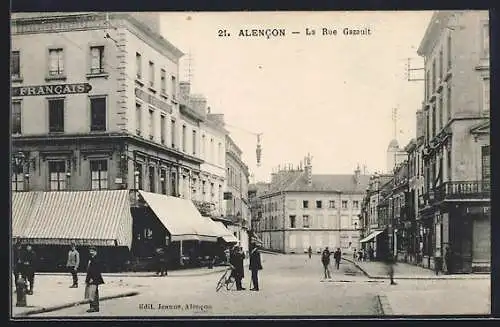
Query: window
[[172, 133], [355, 204], [163, 81], [331, 204], [441, 66], [56, 115], [440, 110], [486, 94], [203, 187], [138, 65], [16, 117], [56, 62], [151, 74], [184, 138], [448, 42], [138, 176], [305, 204], [344, 204], [17, 177], [211, 150], [57, 175], [152, 186], [486, 40], [318, 204], [427, 85], [151, 124], [138, 118], [219, 151], [97, 60], [99, 174], [174, 88], [98, 114], [15, 64], [485, 163], [305, 221], [203, 145], [433, 76], [433, 119], [194, 142], [163, 181], [162, 129], [448, 101], [173, 185]]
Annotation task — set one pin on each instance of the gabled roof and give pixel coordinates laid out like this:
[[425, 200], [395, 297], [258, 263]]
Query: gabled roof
[[329, 183]]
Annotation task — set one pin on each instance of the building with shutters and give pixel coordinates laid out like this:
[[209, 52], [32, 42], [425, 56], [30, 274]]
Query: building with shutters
[[97, 116], [454, 209], [302, 209]]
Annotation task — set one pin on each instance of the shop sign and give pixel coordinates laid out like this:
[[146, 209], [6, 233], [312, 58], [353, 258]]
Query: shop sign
[[152, 100], [51, 89], [477, 210]]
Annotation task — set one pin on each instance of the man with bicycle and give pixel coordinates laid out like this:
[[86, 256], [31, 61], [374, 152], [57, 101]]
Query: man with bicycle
[[236, 261]]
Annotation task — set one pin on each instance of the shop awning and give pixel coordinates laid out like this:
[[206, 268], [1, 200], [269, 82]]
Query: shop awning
[[180, 217], [371, 236], [98, 218], [225, 233]]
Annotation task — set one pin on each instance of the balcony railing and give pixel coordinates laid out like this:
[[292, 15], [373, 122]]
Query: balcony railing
[[459, 190]]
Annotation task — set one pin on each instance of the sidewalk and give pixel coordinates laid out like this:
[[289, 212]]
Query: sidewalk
[[437, 302], [53, 293], [172, 273], [378, 270]]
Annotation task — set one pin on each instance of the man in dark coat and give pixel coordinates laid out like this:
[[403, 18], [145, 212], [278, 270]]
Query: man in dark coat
[[29, 266], [325, 260], [310, 251], [255, 266], [236, 260], [161, 262], [17, 262], [337, 256], [94, 277]]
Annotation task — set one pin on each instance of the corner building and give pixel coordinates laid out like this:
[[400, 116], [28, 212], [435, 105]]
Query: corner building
[[95, 107]]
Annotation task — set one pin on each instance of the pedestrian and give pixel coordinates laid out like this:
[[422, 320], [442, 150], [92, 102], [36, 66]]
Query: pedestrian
[[29, 267], [310, 251], [93, 280], [371, 253], [354, 254], [325, 260], [255, 266], [337, 256], [227, 254], [390, 262], [238, 270], [17, 260], [73, 263], [448, 261], [160, 261], [360, 255]]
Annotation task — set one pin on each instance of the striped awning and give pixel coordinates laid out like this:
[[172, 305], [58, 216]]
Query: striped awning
[[99, 218], [180, 217], [23, 205], [371, 236]]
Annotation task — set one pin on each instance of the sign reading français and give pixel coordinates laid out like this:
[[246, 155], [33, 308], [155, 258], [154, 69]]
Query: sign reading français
[[51, 89]]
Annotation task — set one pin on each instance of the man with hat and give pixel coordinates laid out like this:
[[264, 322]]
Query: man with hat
[[255, 265], [93, 280], [73, 263]]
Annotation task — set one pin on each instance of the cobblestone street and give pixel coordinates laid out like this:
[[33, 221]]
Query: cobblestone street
[[291, 285]]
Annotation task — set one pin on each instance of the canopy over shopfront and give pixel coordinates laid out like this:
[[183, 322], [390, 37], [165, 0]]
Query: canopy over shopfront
[[180, 217], [221, 231], [97, 218], [371, 236]]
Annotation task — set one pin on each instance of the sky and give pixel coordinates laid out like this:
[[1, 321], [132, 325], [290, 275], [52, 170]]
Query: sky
[[330, 96]]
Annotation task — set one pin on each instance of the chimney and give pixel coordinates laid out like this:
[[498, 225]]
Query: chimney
[[198, 103], [308, 168], [357, 173], [184, 91], [420, 123]]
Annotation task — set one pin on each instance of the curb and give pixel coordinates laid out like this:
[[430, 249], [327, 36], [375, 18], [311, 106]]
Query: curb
[[384, 305], [73, 304], [457, 277], [152, 274]]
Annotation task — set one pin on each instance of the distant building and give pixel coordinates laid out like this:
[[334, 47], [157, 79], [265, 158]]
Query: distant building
[[302, 210], [395, 155]]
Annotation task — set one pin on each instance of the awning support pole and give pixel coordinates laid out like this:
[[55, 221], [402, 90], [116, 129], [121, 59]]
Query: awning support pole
[[180, 249]]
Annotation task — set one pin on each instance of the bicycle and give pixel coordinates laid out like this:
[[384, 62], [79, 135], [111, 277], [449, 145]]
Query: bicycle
[[226, 279]]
